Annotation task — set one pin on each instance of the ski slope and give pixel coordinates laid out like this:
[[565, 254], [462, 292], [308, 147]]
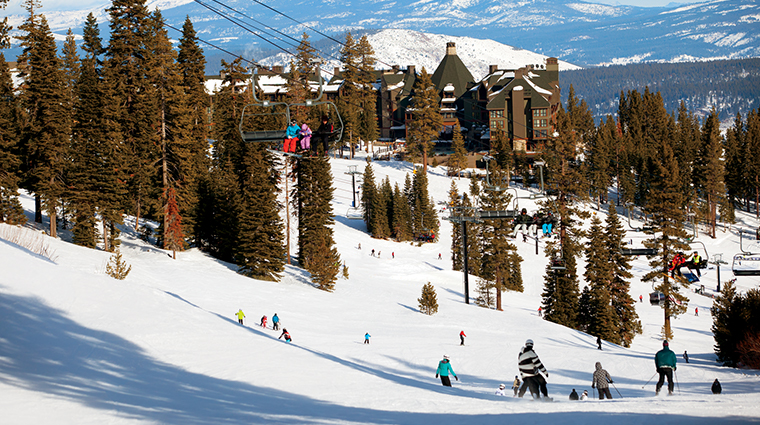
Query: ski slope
[[164, 345]]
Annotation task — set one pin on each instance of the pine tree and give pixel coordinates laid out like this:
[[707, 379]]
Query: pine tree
[[380, 223], [628, 323], [710, 168], [45, 132], [11, 211], [751, 157], [4, 28], [734, 146], [727, 323], [425, 219], [599, 159], [350, 96], [598, 275], [455, 209], [426, 123], [458, 159], [428, 302], [174, 239], [470, 204], [369, 193], [368, 130], [402, 216], [484, 288]]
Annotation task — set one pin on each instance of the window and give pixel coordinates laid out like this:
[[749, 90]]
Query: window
[[497, 114], [497, 124], [539, 112], [540, 123]]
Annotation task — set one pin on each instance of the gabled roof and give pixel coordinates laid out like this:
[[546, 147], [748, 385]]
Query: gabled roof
[[452, 70]]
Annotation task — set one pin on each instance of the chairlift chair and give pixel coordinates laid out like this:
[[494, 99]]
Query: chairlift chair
[[746, 264]]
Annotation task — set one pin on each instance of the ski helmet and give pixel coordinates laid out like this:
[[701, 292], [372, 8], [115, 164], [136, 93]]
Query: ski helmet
[[529, 343], [502, 386]]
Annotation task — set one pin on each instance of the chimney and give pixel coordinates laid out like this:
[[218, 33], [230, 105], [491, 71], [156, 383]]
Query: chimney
[[336, 71], [410, 69], [451, 48], [277, 69], [552, 64], [395, 68], [492, 68]]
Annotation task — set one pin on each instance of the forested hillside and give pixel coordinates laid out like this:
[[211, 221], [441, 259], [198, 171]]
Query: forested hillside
[[730, 86]]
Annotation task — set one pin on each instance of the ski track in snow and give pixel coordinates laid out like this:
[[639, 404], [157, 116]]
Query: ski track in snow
[[164, 346]]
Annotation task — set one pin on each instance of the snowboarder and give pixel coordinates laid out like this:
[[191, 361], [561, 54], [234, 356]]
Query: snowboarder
[[461, 338], [500, 391], [366, 338], [685, 357], [599, 342], [530, 366], [665, 361], [275, 322], [240, 316], [716, 389], [584, 396], [263, 321], [286, 335], [291, 137], [444, 368], [601, 381], [574, 395], [516, 385]]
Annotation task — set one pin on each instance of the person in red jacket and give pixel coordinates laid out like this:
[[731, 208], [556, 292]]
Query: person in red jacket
[[461, 337], [675, 265]]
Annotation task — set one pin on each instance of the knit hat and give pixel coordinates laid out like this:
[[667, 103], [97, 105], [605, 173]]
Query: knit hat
[[502, 386], [445, 357], [665, 343]]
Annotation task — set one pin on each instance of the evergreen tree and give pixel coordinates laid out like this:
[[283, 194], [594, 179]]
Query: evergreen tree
[[350, 96], [628, 323], [602, 320], [10, 207], [426, 122], [455, 209], [734, 146], [599, 159], [458, 159], [380, 223], [470, 204], [402, 216], [369, 193], [710, 168], [4, 28], [428, 302], [368, 130], [425, 219], [45, 132], [751, 158], [174, 239], [484, 288]]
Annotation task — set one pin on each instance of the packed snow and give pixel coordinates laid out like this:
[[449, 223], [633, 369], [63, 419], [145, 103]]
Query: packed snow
[[164, 345]]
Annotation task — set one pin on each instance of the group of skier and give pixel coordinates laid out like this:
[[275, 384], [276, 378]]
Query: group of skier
[[528, 225], [693, 263], [533, 375], [298, 139], [275, 324]]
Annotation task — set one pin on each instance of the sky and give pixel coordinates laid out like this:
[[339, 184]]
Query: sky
[[16, 6]]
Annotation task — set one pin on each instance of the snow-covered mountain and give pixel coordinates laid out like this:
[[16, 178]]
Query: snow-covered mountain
[[164, 346], [578, 32]]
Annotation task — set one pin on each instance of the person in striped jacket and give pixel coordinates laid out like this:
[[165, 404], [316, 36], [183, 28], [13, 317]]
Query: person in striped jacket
[[530, 368]]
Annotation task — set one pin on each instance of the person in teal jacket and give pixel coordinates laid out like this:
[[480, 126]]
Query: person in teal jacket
[[444, 369], [665, 361], [291, 137]]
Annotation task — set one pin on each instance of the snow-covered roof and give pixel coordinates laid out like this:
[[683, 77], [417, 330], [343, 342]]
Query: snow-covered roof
[[537, 88], [449, 88]]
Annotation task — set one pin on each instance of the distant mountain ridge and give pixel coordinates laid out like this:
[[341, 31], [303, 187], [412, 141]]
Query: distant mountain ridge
[[583, 33]]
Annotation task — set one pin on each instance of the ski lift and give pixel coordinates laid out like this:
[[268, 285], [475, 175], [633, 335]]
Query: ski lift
[[278, 135], [354, 213], [632, 251], [747, 263]]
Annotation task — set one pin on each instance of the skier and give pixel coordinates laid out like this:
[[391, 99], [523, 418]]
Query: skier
[[521, 222], [530, 366], [599, 342], [573, 395], [305, 134], [275, 322], [685, 357], [539, 312], [641, 298], [516, 385], [360, 246], [286, 335], [323, 132], [461, 338], [584, 396], [534, 221], [675, 265], [393, 255], [696, 311], [665, 361], [444, 368], [373, 252], [548, 222], [240, 316], [378, 254], [500, 391], [263, 321], [366, 338], [291, 137], [692, 263], [439, 256], [601, 381], [716, 388]]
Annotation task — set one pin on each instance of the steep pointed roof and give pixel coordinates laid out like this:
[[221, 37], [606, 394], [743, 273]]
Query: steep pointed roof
[[452, 70]]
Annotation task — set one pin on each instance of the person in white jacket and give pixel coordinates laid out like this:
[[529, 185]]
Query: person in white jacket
[[584, 396], [500, 391]]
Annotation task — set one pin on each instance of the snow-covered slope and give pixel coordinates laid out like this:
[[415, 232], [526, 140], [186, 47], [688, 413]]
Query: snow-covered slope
[[163, 346]]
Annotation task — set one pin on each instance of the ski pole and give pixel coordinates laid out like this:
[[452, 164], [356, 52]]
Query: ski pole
[[613, 386], [642, 387], [593, 392], [675, 376]]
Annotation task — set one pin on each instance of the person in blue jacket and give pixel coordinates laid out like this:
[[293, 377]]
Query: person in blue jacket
[[291, 137], [665, 361], [275, 322], [366, 338], [444, 369]]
